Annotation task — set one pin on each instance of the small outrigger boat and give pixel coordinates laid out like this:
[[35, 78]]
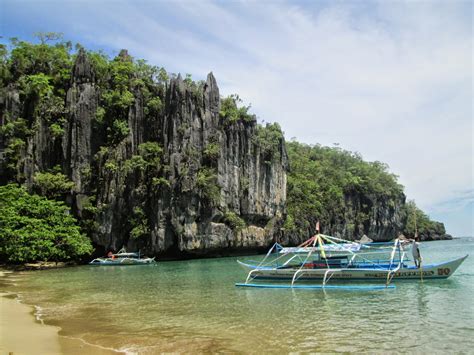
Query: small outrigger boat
[[324, 257], [122, 258]]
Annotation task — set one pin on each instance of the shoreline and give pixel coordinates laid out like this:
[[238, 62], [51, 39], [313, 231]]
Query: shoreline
[[50, 265], [20, 321], [17, 321]]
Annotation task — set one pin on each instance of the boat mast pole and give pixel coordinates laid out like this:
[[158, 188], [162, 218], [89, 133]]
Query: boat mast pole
[[416, 237], [400, 251]]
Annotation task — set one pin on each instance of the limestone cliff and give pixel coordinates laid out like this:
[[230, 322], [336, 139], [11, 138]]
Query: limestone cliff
[[383, 219], [168, 166], [350, 197], [182, 180]]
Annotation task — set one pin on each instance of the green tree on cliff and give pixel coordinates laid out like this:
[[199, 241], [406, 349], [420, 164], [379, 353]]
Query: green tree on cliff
[[418, 221], [232, 113], [52, 184], [321, 178], [131, 101]]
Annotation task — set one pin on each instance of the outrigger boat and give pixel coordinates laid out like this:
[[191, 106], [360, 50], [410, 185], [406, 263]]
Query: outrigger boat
[[325, 258], [122, 258]]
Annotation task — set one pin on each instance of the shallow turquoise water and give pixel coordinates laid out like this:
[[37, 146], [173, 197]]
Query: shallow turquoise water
[[193, 306]]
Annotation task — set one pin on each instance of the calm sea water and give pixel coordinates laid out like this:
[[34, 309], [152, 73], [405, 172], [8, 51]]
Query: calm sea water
[[193, 306]]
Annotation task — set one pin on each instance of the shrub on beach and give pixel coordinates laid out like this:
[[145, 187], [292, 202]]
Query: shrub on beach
[[33, 228]]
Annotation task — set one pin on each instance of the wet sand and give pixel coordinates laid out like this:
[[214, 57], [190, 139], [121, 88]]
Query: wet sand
[[22, 333]]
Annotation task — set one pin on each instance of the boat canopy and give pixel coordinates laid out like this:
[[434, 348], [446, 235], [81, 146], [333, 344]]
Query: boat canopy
[[122, 253], [328, 249], [126, 255]]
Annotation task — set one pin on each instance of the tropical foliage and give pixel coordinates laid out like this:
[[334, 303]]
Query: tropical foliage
[[269, 138], [33, 228], [320, 179], [36, 78], [232, 113], [234, 221], [419, 222], [207, 184], [52, 184]]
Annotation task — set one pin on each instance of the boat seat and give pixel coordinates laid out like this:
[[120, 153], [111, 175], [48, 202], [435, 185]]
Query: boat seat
[[337, 261], [323, 263], [335, 257]]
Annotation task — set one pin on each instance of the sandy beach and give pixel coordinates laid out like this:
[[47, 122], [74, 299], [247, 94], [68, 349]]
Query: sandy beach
[[22, 333]]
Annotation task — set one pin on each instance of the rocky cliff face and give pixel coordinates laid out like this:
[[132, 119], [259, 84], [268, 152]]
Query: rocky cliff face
[[350, 197], [182, 180], [169, 167], [79, 141], [379, 219], [383, 220]]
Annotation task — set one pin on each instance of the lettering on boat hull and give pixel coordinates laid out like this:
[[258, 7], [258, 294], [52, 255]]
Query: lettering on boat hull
[[404, 274], [444, 271]]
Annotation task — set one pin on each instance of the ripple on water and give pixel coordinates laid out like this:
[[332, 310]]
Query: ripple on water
[[193, 306]]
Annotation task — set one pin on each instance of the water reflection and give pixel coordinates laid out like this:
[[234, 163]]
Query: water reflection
[[193, 306], [422, 299]]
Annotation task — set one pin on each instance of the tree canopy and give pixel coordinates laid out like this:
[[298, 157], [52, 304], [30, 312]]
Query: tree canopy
[[33, 228], [320, 180], [321, 177], [418, 221]]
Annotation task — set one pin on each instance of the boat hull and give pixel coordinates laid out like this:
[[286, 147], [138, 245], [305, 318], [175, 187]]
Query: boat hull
[[432, 271], [319, 287], [122, 262]]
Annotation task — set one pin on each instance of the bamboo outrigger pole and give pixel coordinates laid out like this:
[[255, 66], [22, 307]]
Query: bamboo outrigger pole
[[392, 256]]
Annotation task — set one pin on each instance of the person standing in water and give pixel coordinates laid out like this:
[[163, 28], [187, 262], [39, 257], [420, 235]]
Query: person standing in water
[[416, 253]]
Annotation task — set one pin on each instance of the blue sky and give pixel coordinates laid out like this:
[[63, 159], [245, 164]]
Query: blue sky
[[390, 79]]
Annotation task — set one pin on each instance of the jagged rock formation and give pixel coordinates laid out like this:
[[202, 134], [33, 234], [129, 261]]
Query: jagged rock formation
[[183, 201], [435, 231], [350, 198], [78, 142], [160, 166], [385, 217], [381, 219]]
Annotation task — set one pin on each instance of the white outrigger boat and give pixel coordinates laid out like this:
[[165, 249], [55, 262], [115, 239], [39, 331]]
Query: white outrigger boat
[[323, 258], [122, 258]]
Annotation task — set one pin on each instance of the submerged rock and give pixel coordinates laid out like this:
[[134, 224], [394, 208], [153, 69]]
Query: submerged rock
[[365, 239]]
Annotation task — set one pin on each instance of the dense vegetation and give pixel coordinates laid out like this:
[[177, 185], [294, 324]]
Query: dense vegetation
[[43, 73], [233, 111], [323, 183], [34, 228], [419, 222], [320, 181]]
